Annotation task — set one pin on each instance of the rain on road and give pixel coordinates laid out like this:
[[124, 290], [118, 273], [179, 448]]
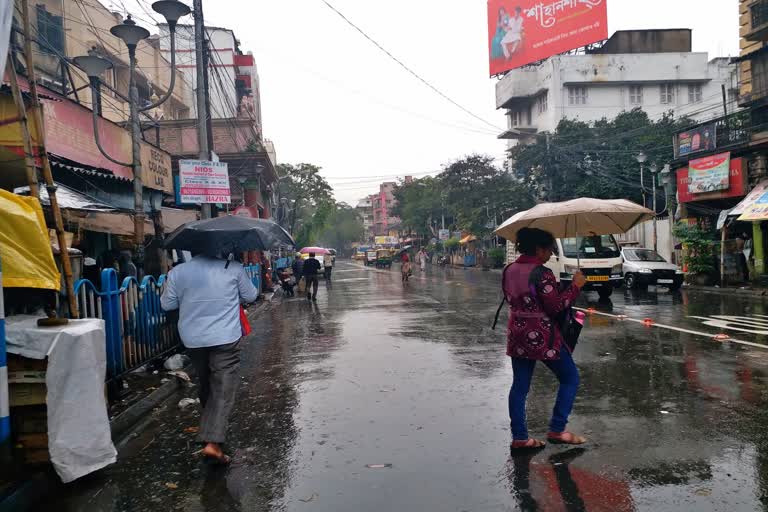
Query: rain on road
[[388, 397]]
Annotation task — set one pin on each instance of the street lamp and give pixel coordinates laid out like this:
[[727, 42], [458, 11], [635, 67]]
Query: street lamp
[[94, 66], [641, 159], [654, 170]]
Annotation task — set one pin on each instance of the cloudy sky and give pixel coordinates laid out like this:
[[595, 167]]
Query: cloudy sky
[[331, 98]]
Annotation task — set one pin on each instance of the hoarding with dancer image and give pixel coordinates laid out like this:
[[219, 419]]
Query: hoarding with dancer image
[[524, 31]]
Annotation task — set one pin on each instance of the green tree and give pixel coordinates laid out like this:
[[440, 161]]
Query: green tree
[[309, 199], [314, 217], [597, 160]]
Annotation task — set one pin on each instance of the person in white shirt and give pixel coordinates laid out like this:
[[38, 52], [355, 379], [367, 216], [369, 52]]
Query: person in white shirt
[[514, 36], [208, 292]]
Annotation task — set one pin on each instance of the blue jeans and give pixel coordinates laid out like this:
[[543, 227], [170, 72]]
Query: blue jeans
[[568, 376]]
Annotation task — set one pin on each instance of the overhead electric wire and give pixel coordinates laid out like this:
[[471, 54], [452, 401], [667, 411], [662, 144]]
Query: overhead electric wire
[[408, 69]]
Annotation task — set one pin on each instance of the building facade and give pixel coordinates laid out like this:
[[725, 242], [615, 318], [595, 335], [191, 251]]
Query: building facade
[[365, 210], [738, 139], [654, 70], [233, 77]]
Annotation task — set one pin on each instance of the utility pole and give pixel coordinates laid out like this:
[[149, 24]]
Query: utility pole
[[50, 186], [203, 119]]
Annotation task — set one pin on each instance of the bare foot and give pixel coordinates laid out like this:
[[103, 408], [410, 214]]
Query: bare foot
[[213, 452]]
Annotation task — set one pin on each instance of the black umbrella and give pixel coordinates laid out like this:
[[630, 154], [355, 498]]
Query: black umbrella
[[229, 234]]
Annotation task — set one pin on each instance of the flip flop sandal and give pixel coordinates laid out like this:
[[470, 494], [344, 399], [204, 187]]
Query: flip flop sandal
[[565, 438], [527, 445]]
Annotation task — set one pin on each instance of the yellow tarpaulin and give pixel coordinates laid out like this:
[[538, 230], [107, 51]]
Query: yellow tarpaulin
[[24, 244]]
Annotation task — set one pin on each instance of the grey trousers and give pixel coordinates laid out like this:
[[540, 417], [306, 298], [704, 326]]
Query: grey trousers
[[216, 369]]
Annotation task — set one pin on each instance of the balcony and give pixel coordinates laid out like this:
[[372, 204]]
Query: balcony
[[758, 13], [717, 135]]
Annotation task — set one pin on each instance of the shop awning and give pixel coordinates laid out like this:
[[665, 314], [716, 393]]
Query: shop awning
[[86, 170], [89, 213], [752, 206]]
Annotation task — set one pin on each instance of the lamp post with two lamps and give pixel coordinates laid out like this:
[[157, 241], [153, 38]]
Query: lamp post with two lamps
[[94, 66]]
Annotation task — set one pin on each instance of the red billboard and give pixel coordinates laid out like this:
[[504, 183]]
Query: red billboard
[[735, 188], [525, 31]]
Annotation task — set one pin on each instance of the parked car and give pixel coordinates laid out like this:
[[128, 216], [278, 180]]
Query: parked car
[[643, 267]]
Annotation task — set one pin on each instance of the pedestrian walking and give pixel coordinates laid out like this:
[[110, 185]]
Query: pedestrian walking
[[297, 266], [422, 257], [405, 266], [311, 270], [534, 299], [208, 293], [328, 261]]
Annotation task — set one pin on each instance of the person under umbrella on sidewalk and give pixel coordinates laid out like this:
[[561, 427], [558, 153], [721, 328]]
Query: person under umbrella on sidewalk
[[311, 269], [534, 299], [208, 293]]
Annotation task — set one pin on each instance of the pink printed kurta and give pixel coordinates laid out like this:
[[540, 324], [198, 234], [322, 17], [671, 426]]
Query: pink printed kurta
[[531, 333]]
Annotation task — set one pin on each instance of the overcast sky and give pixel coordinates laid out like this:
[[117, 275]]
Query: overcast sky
[[333, 99]]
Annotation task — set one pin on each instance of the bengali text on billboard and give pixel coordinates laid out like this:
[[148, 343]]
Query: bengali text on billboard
[[524, 31], [204, 182]]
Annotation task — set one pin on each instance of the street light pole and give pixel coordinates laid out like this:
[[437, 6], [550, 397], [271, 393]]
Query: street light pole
[[93, 65], [654, 170], [641, 159]]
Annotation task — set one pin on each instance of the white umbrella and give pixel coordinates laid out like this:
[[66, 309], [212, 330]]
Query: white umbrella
[[579, 217]]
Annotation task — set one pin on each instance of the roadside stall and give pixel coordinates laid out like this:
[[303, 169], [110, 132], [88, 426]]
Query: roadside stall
[[56, 367]]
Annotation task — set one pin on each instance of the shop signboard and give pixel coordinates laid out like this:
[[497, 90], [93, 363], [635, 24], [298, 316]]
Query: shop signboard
[[736, 184], [524, 31], [444, 234], [695, 140], [156, 169], [754, 194], [204, 182], [709, 174], [381, 240]]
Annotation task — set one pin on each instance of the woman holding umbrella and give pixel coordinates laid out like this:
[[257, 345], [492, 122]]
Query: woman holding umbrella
[[534, 300]]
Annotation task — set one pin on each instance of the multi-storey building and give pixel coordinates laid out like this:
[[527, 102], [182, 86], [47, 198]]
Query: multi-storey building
[[654, 70]]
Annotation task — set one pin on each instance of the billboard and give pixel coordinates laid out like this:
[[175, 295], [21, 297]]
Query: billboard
[[736, 184], [702, 138], [204, 182], [709, 174], [525, 31]]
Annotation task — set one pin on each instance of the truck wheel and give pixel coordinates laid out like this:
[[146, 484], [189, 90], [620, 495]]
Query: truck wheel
[[606, 292]]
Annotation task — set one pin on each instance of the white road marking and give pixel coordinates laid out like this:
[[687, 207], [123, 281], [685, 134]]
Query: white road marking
[[673, 328], [736, 323]]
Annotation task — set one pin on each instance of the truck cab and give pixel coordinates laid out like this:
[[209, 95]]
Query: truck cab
[[599, 258]]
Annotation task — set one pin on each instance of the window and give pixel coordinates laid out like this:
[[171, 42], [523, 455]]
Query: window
[[516, 117], [577, 95], [667, 94], [694, 93], [50, 31], [636, 94], [591, 247], [542, 103]]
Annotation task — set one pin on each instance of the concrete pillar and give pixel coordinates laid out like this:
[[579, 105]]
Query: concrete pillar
[[757, 241]]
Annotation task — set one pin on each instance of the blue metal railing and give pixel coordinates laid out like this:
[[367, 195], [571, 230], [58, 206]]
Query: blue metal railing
[[5, 419], [137, 328], [253, 272]]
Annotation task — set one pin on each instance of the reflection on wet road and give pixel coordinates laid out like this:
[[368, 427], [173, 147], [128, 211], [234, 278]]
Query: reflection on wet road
[[388, 397]]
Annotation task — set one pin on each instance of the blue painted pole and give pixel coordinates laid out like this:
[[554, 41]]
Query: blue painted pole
[[5, 410]]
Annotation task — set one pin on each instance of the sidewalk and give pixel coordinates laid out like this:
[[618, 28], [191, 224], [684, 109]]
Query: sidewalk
[[126, 421]]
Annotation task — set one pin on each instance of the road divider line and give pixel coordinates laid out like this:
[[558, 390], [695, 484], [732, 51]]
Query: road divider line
[[623, 318]]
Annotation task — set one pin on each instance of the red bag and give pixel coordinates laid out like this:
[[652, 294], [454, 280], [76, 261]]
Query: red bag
[[245, 325]]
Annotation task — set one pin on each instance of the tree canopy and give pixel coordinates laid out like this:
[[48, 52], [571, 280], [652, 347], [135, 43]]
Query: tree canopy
[[310, 211], [469, 192], [597, 160]]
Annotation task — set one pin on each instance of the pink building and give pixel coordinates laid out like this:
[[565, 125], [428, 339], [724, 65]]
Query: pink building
[[382, 204]]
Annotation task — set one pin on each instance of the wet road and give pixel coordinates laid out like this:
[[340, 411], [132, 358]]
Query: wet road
[[388, 397]]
